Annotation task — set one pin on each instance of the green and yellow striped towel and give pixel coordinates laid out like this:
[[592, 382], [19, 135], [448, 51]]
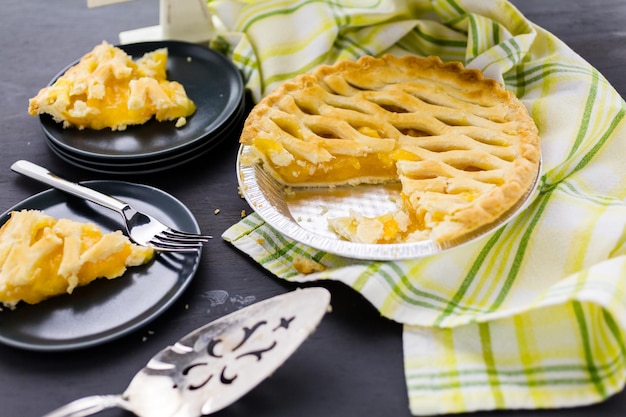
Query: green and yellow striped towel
[[532, 316]]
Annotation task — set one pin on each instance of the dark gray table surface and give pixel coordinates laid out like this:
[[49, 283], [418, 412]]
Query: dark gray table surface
[[352, 365]]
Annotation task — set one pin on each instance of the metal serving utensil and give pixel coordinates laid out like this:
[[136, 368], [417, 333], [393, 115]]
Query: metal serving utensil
[[141, 228], [215, 365]]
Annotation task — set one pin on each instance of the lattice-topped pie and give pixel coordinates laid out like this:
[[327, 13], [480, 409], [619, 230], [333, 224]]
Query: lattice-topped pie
[[464, 149]]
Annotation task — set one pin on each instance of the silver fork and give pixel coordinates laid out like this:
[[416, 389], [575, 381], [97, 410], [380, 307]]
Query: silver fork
[[140, 227]]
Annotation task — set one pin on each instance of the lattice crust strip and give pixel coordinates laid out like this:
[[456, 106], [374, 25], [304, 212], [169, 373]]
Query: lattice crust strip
[[464, 149]]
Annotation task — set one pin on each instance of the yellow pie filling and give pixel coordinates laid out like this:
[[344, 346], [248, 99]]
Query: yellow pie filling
[[377, 167]]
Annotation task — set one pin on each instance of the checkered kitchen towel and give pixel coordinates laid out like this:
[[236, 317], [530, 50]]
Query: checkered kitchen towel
[[533, 316]]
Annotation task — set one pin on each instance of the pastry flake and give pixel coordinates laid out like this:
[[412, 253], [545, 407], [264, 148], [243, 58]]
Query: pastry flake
[[41, 256], [464, 149], [107, 89]]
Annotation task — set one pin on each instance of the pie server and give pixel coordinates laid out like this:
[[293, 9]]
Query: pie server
[[218, 363]]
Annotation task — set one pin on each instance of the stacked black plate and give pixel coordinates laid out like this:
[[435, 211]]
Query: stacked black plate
[[210, 80]]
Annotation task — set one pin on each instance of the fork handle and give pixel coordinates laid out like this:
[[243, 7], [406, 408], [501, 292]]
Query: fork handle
[[41, 174]]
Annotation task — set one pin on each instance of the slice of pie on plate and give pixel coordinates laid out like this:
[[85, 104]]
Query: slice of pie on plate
[[108, 89], [41, 256], [464, 149]]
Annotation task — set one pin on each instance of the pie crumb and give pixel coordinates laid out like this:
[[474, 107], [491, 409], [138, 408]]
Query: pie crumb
[[306, 265]]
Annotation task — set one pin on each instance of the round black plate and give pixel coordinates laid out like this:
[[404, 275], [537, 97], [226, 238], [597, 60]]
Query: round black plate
[[210, 80], [105, 309], [153, 165]]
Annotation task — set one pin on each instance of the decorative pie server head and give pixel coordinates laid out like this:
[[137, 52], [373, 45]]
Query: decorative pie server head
[[215, 365]]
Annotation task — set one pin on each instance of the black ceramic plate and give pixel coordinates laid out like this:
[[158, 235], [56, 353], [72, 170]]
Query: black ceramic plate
[[210, 80], [235, 121], [231, 131], [105, 309]]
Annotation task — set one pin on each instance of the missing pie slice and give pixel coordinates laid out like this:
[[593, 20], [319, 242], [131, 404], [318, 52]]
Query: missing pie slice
[[464, 149]]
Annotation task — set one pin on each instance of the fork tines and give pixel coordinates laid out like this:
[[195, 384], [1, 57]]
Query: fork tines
[[176, 241]]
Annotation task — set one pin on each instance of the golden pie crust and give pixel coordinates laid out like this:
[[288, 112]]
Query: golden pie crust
[[464, 149]]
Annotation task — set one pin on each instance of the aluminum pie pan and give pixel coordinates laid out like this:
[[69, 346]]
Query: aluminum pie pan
[[302, 213]]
